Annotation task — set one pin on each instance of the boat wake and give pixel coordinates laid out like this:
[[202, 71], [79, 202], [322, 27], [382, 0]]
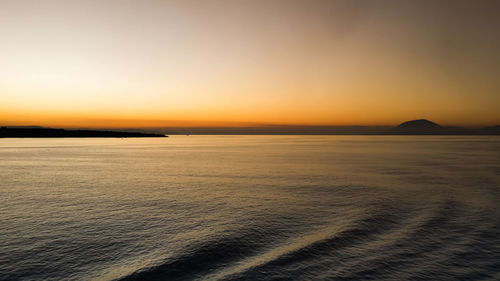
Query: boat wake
[[439, 241]]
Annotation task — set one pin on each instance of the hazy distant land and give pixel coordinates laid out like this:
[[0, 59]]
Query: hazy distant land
[[413, 127], [41, 132]]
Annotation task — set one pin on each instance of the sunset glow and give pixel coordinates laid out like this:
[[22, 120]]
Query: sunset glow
[[204, 63]]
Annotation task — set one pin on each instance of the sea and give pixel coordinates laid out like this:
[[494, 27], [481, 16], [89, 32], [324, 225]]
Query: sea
[[250, 208]]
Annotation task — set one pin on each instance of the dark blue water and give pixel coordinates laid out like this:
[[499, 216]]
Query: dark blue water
[[250, 208]]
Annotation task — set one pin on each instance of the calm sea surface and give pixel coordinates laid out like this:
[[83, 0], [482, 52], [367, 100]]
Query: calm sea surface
[[250, 207]]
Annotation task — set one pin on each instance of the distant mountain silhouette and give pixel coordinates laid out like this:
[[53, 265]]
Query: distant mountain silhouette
[[40, 132], [419, 124], [426, 127]]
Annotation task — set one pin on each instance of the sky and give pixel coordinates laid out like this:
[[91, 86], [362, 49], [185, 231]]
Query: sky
[[121, 63]]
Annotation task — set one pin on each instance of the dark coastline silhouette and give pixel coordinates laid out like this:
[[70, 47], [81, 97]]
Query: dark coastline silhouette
[[41, 132]]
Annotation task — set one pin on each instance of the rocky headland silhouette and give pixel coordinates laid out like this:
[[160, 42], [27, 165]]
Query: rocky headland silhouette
[[41, 132]]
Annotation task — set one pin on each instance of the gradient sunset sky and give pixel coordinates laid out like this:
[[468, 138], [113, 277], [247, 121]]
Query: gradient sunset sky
[[172, 63]]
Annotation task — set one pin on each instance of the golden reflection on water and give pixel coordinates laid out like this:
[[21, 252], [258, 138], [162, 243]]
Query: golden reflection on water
[[228, 206]]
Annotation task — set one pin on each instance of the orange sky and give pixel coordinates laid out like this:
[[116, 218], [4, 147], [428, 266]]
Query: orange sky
[[186, 63]]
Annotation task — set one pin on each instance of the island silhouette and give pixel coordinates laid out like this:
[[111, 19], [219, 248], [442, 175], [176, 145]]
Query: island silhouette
[[422, 127], [426, 127], [419, 124]]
